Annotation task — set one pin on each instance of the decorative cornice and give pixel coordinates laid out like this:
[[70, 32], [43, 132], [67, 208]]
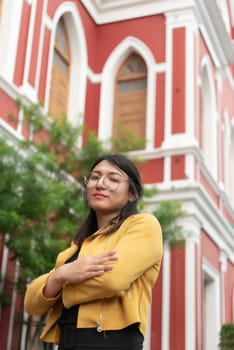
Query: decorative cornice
[[214, 30], [108, 11], [209, 18]]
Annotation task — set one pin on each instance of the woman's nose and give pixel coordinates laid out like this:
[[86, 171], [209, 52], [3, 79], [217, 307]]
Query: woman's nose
[[101, 182]]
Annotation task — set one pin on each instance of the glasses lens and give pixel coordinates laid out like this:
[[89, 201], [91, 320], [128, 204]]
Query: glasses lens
[[108, 182], [111, 184]]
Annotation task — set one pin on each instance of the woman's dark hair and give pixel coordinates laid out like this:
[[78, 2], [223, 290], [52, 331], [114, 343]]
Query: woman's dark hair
[[135, 187]]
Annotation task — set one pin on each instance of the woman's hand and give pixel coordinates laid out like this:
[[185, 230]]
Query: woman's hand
[[78, 271]]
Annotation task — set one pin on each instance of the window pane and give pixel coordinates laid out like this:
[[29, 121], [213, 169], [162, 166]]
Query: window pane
[[134, 65], [61, 40], [60, 62], [132, 85]]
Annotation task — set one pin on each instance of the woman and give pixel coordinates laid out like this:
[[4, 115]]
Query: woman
[[98, 295]]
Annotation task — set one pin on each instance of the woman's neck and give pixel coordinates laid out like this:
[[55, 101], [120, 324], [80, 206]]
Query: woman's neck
[[105, 220]]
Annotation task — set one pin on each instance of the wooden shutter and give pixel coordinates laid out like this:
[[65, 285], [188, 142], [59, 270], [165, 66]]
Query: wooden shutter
[[59, 89], [130, 96]]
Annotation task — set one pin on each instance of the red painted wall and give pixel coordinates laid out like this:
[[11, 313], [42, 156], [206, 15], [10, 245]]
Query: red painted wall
[[8, 108], [209, 250], [35, 43], [178, 167], [160, 110], [178, 81], [22, 44], [150, 30], [152, 170], [177, 299], [44, 66]]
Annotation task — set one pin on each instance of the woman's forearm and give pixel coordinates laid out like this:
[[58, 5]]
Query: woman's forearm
[[54, 283]]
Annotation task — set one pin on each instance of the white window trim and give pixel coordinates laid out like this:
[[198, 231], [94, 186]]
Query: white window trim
[[78, 72], [212, 129], [210, 271], [130, 44]]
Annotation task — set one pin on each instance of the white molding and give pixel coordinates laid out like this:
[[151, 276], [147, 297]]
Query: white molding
[[95, 78], [6, 129], [10, 89], [48, 22], [213, 29], [197, 203], [78, 74], [208, 15], [106, 11], [29, 92], [167, 169], [160, 68]]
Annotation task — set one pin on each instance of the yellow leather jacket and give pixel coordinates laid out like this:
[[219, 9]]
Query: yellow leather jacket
[[118, 297]]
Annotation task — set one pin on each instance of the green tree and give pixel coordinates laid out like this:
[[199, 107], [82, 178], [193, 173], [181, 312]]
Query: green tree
[[41, 193], [226, 337]]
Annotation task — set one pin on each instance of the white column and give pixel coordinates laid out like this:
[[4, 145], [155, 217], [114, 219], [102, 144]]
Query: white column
[[192, 226], [166, 298], [9, 34], [223, 269]]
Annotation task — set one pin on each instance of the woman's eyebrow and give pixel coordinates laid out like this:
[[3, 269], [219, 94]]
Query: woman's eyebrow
[[109, 173]]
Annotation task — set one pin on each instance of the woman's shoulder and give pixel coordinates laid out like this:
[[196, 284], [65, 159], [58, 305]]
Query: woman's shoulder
[[144, 218]]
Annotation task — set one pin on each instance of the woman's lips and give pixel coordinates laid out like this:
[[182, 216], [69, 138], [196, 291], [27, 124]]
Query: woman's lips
[[99, 195]]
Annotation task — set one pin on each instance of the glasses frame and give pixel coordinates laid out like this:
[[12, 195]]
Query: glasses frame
[[86, 179]]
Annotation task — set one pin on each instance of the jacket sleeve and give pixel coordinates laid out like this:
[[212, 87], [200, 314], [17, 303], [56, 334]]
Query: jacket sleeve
[[34, 301], [139, 249]]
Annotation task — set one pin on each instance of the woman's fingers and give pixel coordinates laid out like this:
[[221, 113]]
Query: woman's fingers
[[89, 267], [109, 256]]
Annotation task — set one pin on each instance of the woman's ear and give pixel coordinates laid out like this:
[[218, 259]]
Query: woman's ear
[[131, 197]]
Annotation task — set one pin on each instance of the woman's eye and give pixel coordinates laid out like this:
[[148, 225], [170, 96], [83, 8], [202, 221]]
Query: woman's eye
[[94, 177], [114, 180]]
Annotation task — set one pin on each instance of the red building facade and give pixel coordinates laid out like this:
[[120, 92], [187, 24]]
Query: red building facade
[[165, 69]]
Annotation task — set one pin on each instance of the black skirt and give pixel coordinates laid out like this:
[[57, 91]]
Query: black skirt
[[129, 338]]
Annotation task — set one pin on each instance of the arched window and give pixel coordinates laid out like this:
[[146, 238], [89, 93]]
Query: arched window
[[228, 161], [208, 126], [130, 98], [59, 88]]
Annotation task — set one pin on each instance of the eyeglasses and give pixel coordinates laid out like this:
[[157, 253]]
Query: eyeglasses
[[109, 182]]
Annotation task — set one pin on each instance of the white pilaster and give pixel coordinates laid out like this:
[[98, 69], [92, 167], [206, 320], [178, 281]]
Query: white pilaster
[[165, 336]]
